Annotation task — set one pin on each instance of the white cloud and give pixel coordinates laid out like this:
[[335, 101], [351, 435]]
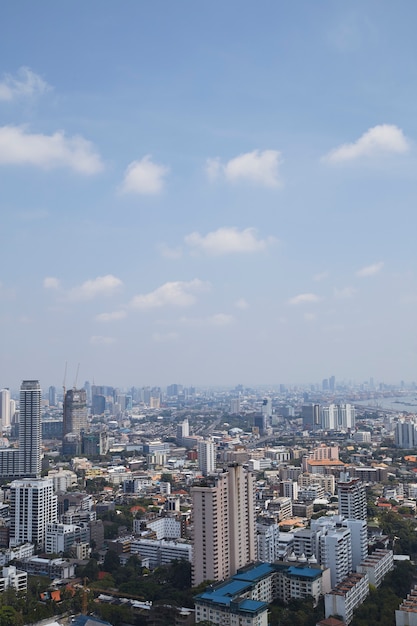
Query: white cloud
[[213, 168], [26, 84], [370, 270], [241, 303], [259, 167], [100, 286], [344, 293], [320, 276], [176, 293], [221, 319], [51, 283], [227, 241], [382, 139], [100, 340], [111, 317], [304, 298], [170, 253], [18, 147], [165, 337], [218, 319], [144, 177]]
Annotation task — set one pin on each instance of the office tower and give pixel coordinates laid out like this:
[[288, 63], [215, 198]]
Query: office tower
[[206, 451], [52, 396], [332, 383], [406, 434], [87, 388], [5, 409], [32, 505], [352, 498], [224, 527], [174, 390], [183, 430], [235, 406], [98, 404], [310, 414], [30, 429], [267, 408], [75, 411], [325, 384]]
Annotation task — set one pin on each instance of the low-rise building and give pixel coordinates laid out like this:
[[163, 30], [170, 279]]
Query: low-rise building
[[406, 615], [161, 552], [53, 568], [12, 577], [346, 596], [377, 565]]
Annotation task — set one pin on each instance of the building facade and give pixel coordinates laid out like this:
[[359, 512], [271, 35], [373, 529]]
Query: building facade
[[32, 505], [224, 525]]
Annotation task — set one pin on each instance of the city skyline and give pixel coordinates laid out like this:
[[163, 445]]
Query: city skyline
[[208, 194]]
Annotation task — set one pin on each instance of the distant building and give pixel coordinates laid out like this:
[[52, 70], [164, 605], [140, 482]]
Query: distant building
[[206, 456]]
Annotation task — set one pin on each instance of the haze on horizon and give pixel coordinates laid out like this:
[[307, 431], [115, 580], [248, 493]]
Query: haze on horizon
[[208, 193]]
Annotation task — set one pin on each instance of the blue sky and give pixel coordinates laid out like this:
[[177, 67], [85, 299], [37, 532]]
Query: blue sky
[[208, 192]]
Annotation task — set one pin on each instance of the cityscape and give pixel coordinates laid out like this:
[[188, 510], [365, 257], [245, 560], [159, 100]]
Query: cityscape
[[261, 498], [208, 303]]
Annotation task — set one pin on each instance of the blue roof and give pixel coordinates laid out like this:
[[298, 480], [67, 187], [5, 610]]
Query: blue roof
[[88, 620], [305, 572], [252, 605], [223, 594], [254, 573]]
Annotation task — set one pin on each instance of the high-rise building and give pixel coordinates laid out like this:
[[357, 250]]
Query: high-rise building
[[338, 417], [183, 430], [75, 411], [224, 527], [406, 433], [311, 416], [352, 498], [32, 505], [206, 451], [5, 416], [52, 395], [30, 429]]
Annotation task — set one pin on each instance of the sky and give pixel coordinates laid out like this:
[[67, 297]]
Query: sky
[[208, 193]]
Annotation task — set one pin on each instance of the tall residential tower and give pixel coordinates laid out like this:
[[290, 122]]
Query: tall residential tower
[[224, 535]]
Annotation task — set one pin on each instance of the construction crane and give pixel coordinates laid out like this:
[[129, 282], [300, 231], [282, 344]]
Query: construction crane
[[76, 376]]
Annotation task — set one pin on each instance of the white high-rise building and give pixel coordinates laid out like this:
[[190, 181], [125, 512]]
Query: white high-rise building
[[206, 451], [224, 525], [32, 506], [30, 429], [352, 498], [338, 417], [5, 416], [183, 430]]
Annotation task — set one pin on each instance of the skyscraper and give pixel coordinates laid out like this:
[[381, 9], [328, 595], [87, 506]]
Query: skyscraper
[[52, 396], [30, 429], [75, 411], [5, 409], [224, 528], [32, 505]]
